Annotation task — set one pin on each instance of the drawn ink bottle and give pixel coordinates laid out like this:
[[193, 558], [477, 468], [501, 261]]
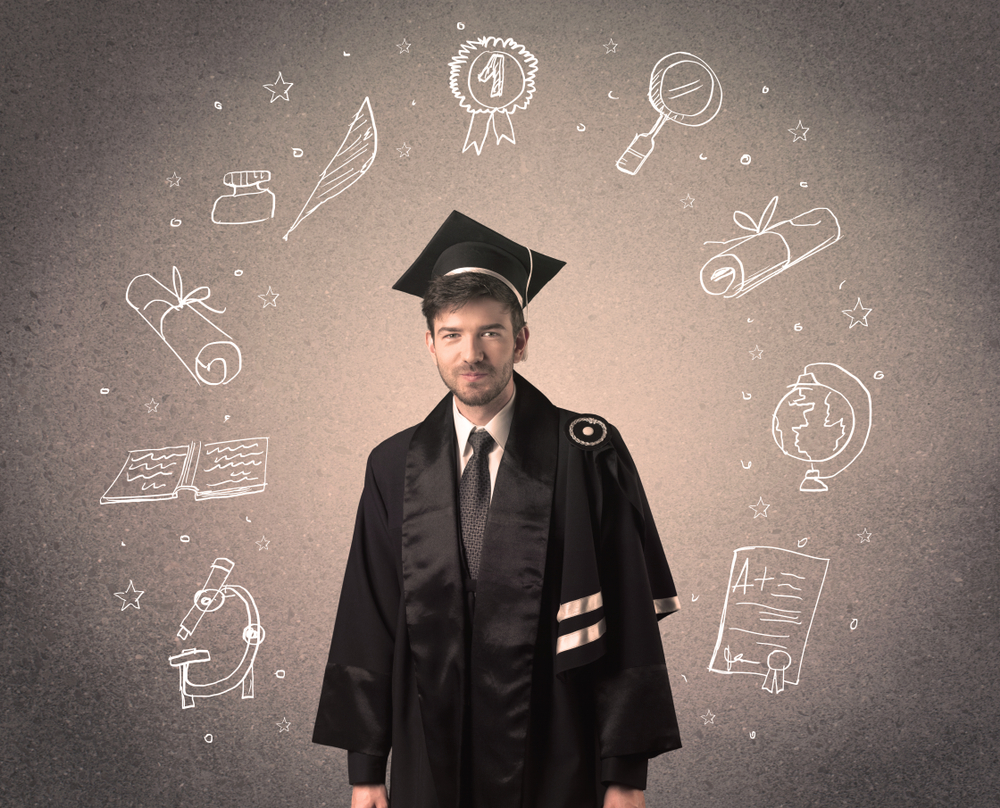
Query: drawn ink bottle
[[248, 203]]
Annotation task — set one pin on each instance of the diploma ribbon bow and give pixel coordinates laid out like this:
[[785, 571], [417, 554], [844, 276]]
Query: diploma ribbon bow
[[197, 295]]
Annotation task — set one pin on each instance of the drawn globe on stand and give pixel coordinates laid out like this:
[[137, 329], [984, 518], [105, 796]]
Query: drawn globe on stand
[[818, 424]]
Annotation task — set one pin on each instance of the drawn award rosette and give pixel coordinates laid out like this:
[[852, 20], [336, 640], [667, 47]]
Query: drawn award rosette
[[492, 78]]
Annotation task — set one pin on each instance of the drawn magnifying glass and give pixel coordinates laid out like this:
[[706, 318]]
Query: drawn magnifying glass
[[683, 89]]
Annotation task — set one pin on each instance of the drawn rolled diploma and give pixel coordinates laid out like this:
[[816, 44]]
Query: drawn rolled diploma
[[208, 352], [748, 261]]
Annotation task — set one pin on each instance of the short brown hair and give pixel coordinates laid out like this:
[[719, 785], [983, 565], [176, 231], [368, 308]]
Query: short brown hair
[[451, 292]]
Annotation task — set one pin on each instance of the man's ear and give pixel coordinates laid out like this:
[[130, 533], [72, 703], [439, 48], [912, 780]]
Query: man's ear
[[521, 345], [429, 340]]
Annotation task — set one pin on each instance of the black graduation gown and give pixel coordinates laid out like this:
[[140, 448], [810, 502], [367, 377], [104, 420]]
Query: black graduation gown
[[558, 682]]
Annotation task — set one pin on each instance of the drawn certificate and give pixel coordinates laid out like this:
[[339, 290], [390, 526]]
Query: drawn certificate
[[770, 604]]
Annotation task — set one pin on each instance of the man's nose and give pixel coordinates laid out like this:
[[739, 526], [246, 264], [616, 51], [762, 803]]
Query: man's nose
[[472, 351]]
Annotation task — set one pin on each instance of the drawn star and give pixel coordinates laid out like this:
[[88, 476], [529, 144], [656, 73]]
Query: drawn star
[[262, 543], [284, 725], [270, 299], [611, 47], [856, 318], [756, 352], [865, 536], [799, 132], [130, 597], [763, 508], [174, 180], [708, 717], [404, 150], [688, 201], [279, 89], [152, 405], [404, 46]]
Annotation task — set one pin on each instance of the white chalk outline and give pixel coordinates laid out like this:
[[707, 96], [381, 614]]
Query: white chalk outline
[[210, 598], [181, 463], [461, 70], [350, 163], [238, 180], [177, 300], [813, 480], [774, 675], [739, 284], [642, 144]]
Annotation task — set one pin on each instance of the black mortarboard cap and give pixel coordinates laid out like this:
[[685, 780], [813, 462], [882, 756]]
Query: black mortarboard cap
[[462, 244]]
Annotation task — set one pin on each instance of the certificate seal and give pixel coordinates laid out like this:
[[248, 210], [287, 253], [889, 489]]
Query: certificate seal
[[492, 78]]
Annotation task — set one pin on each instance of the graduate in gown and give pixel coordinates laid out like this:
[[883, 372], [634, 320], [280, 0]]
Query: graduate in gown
[[534, 677]]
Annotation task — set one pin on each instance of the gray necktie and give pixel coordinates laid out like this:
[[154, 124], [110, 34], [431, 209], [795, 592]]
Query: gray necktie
[[474, 498]]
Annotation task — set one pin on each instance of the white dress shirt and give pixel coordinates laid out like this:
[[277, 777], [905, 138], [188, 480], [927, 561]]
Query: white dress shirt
[[499, 429]]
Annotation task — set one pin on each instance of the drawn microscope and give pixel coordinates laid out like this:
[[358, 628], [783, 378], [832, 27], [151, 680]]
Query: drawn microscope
[[212, 597]]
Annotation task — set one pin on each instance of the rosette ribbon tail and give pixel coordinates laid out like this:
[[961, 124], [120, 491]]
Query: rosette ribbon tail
[[479, 128], [503, 127]]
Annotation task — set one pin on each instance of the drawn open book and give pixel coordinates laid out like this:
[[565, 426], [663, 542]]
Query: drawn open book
[[212, 470]]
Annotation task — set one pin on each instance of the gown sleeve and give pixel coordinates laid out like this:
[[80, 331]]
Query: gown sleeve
[[633, 702], [355, 707]]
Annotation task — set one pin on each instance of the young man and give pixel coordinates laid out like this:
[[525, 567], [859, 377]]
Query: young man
[[497, 627]]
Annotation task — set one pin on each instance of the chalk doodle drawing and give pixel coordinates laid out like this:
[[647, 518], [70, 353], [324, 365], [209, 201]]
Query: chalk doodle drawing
[[208, 352], [748, 261], [799, 132], [404, 46], [351, 162], [130, 597], [278, 90], [611, 47], [492, 78], [770, 604], [210, 599], [284, 725], [151, 406], [823, 424], [250, 202], [174, 181], [688, 201], [404, 150], [270, 298], [683, 89], [229, 468], [859, 314], [865, 535]]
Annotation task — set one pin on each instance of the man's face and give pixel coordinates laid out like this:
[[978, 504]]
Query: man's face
[[475, 350]]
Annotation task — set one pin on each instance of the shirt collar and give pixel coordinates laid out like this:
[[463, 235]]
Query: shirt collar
[[498, 427]]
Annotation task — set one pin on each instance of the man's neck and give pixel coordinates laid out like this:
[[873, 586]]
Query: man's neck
[[481, 416]]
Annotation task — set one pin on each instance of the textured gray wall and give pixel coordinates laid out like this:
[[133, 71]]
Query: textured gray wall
[[896, 704]]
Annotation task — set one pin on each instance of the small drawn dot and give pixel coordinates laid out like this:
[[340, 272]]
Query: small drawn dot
[[218, 105], [798, 326], [581, 128], [878, 375], [753, 734], [175, 222], [105, 391], [765, 90], [280, 674], [802, 542], [461, 26], [803, 184], [745, 159], [209, 738], [238, 273], [185, 538], [296, 152], [854, 624]]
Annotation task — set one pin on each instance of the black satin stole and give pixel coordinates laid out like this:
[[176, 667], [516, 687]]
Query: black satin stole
[[497, 682]]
